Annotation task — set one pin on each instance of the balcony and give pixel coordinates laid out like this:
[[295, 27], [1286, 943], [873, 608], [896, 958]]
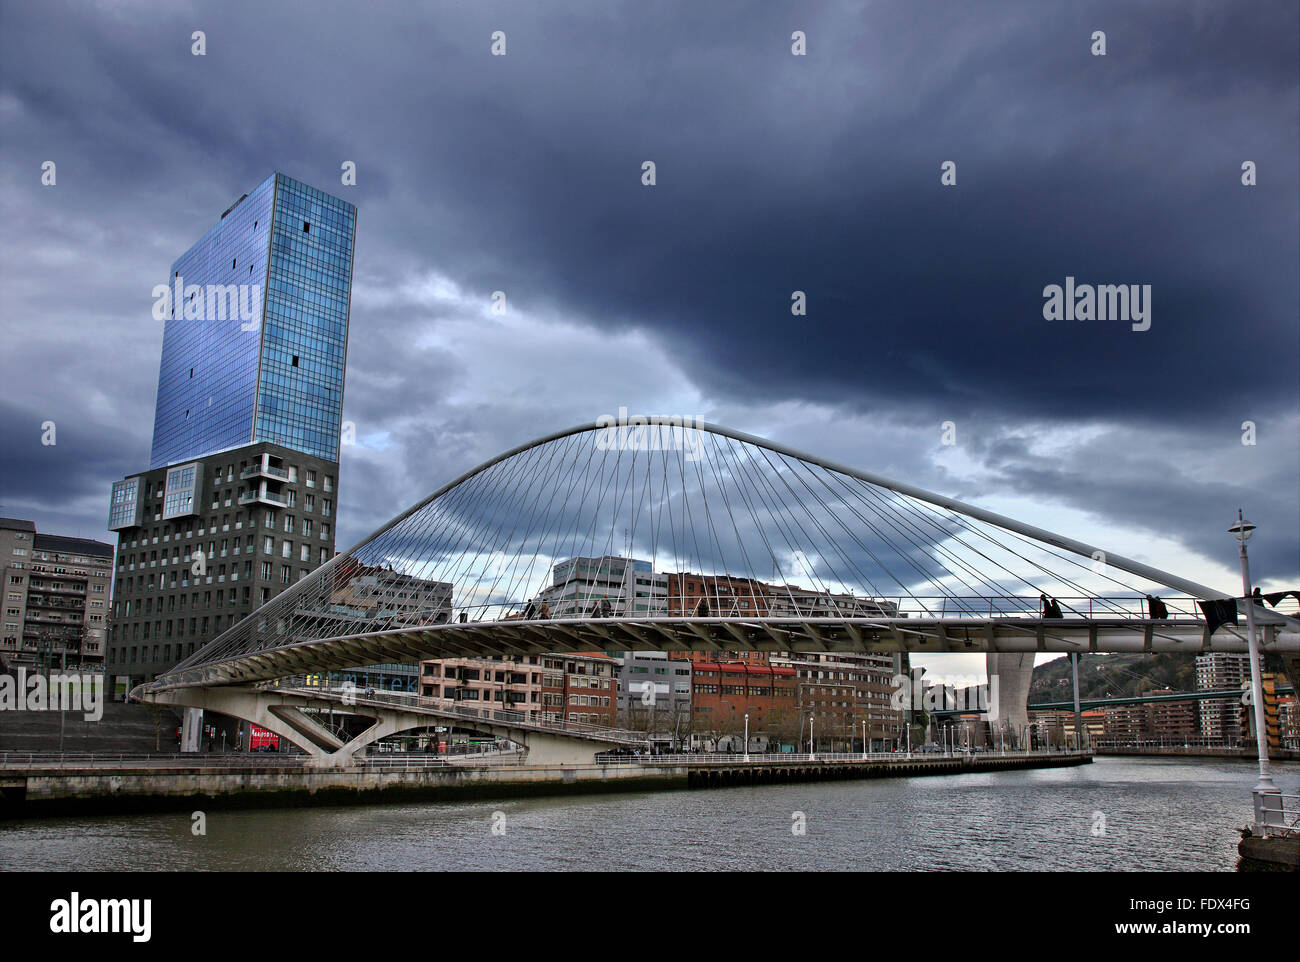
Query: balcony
[[262, 497], [53, 601], [264, 471], [51, 618]]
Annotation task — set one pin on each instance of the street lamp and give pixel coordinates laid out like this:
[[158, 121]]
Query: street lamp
[[746, 736], [1242, 531], [812, 743], [864, 739]]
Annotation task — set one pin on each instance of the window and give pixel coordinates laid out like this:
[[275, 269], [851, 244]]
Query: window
[[306, 227]]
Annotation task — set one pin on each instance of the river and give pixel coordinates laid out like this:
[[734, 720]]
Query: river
[[1115, 814]]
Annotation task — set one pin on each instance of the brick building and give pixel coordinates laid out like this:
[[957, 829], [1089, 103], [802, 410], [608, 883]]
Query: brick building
[[56, 596]]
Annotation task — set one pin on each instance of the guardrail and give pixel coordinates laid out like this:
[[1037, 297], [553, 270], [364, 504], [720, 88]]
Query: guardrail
[[1278, 814], [414, 761], [739, 758], [803, 605], [127, 759]]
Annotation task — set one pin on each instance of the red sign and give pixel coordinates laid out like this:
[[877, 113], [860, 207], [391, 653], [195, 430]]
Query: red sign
[[259, 739]]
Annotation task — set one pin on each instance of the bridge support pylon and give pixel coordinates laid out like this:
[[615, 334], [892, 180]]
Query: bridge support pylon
[[1013, 671]]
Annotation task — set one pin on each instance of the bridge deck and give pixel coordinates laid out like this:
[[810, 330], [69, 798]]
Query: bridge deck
[[808, 634]]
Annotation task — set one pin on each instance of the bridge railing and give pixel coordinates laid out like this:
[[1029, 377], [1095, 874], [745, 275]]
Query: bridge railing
[[1278, 813], [739, 758], [147, 760], [798, 604]]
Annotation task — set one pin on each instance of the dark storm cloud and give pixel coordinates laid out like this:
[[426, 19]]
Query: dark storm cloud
[[775, 173]]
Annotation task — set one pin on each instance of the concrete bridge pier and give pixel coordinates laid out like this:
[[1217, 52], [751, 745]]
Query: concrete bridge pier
[[1013, 671]]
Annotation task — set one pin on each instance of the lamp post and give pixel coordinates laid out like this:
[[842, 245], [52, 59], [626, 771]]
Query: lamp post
[[864, 739], [1242, 530], [812, 743], [746, 736]]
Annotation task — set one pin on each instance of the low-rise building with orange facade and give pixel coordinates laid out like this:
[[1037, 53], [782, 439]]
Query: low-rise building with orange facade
[[842, 691], [723, 692], [580, 688], [510, 683], [576, 688]]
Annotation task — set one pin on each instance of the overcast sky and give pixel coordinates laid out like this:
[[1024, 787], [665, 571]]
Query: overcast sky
[[775, 173]]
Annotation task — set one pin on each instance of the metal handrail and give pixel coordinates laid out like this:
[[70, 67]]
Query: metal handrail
[[153, 760], [739, 758], [1282, 819], [802, 605]]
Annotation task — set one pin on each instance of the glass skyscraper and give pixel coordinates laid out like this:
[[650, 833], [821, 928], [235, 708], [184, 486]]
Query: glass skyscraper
[[240, 498], [256, 332]]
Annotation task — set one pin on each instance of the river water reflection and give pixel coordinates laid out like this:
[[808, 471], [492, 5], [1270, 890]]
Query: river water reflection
[[1115, 814]]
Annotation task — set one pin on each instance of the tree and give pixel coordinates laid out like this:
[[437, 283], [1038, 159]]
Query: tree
[[785, 725]]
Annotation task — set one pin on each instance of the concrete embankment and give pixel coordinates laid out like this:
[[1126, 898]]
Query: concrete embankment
[[39, 791], [715, 775], [1269, 854], [1167, 751], [144, 789]]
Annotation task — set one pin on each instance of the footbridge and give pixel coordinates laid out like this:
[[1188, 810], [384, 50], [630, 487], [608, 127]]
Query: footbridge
[[295, 714], [664, 534]]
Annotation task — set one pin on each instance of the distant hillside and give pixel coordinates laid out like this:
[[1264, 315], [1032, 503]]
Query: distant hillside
[[1113, 676], [1119, 676]]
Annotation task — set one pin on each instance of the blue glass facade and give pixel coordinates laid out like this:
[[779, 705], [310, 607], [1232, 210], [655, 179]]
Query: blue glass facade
[[256, 338], [305, 329]]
